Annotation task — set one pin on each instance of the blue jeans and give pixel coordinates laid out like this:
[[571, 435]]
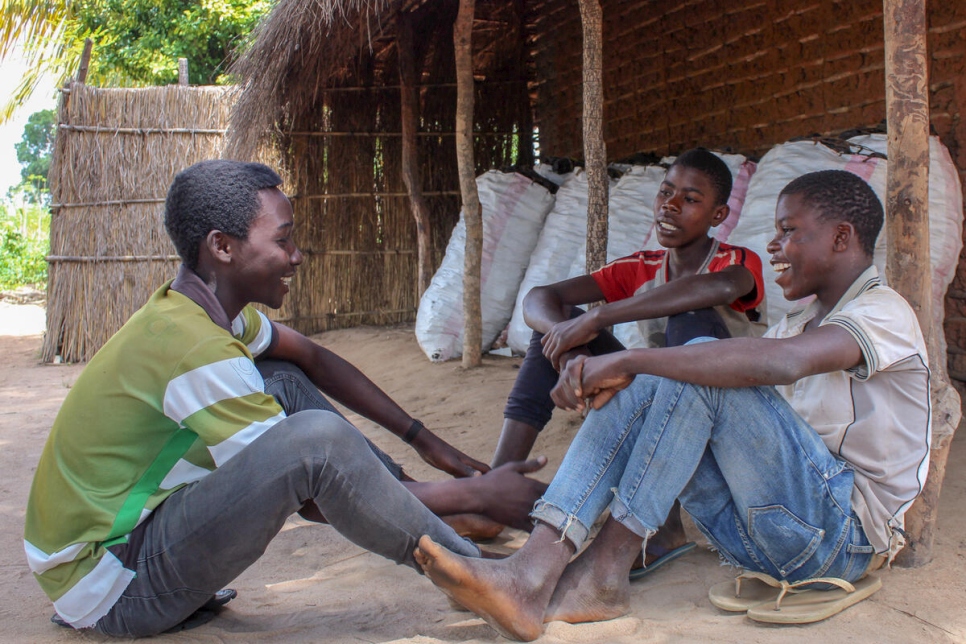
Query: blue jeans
[[755, 477], [529, 400]]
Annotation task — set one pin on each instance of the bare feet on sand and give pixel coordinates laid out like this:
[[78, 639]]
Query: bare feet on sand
[[583, 595], [495, 590]]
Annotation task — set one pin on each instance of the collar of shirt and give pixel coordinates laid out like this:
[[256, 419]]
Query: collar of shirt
[[189, 284]]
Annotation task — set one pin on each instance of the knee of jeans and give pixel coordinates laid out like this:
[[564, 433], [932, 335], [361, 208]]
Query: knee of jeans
[[317, 432]]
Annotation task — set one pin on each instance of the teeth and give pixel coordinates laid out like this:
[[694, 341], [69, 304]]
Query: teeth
[[286, 281], [667, 227], [781, 267]]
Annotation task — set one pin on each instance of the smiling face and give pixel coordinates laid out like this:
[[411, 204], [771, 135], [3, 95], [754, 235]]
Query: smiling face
[[802, 251], [264, 263], [686, 207]]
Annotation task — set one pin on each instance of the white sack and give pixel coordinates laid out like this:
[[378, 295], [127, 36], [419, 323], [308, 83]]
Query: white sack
[[514, 209]]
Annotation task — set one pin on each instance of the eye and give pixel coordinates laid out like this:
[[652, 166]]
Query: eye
[[690, 200]]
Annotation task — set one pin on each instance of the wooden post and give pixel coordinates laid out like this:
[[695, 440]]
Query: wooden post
[[907, 230], [183, 72], [409, 114], [595, 152], [472, 211], [85, 61]]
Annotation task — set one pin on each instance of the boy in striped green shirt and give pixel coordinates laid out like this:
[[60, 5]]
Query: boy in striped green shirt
[[175, 459]]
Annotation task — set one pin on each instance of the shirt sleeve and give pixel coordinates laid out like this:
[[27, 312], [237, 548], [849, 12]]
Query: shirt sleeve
[[621, 278], [885, 328], [255, 330], [740, 256]]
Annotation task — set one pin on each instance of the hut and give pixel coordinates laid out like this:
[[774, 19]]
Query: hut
[[358, 99], [332, 82]]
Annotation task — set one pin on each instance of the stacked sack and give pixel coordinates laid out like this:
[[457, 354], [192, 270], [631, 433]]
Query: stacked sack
[[514, 209]]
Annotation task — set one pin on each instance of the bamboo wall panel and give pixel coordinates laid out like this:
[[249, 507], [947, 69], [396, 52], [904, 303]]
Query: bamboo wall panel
[[117, 151]]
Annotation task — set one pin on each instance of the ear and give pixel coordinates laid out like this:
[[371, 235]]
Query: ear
[[720, 214], [219, 246], [844, 236]]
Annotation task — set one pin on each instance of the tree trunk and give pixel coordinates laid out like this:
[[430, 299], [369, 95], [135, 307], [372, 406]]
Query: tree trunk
[[595, 153], [409, 114], [907, 228], [472, 211]]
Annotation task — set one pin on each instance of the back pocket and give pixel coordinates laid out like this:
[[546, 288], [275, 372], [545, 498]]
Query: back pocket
[[786, 540]]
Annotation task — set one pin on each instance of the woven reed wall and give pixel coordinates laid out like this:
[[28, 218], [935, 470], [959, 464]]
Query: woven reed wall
[[744, 75], [117, 151], [354, 223]]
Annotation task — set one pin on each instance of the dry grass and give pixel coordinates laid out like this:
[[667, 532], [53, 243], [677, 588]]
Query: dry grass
[[117, 151]]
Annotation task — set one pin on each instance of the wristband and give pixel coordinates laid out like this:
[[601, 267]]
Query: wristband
[[413, 431]]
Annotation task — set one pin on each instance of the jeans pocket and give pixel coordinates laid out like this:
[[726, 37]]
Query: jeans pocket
[[786, 540]]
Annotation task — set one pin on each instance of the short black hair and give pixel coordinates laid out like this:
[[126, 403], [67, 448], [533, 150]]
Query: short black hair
[[842, 196], [214, 195], [713, 167]]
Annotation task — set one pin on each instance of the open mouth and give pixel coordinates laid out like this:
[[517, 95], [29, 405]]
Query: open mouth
[[780, 267], [666, 227], [287, 281]]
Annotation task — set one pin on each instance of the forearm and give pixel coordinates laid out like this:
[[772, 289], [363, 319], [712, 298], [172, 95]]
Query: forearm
[[452, 496], [343, 382], [542, 310], [682, 295], [737, 362]]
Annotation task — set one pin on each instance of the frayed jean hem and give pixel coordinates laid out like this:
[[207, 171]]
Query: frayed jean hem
[[567, 525]]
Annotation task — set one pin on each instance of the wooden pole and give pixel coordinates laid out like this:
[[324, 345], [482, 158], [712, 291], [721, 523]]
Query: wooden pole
[[183, 72], [85, 61], [472, 211], [409, 114], [907, 230], [595, 152]]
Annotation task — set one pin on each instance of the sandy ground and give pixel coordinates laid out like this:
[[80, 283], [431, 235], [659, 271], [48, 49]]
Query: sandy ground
[[313, 586]]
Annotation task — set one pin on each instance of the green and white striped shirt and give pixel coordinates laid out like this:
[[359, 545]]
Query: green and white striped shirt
[[171, 397]]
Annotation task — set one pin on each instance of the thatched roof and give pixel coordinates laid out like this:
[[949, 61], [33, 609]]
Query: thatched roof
[[303, 48], [298, 49]]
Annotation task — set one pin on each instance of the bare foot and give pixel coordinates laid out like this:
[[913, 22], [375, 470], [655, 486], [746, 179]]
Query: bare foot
[[473, 526], [583, 595], [497, 590]]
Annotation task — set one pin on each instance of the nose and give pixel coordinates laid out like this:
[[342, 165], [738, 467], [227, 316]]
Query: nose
[[773, 246], [673, 202], [296, 257]]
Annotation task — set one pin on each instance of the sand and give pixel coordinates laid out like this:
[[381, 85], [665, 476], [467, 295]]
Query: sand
[[314, 586]]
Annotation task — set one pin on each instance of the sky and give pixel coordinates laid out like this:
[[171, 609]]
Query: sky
[[11, 131]]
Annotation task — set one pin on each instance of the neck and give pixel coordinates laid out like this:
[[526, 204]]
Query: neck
[[686, 260], [222, 293], [842, 278]]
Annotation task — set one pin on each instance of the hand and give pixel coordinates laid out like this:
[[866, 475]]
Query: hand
[[590, 380], [507, 496], [566, 335], [446, 458]]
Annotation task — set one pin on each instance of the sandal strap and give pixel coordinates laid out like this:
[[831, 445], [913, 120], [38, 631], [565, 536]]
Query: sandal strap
[[786, 587]]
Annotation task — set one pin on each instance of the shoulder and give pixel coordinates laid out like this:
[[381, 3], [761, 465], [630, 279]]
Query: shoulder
[[884, 325], [728, 255]]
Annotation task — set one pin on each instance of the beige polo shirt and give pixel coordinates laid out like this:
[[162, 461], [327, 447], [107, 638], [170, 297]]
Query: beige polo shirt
[[876, 416]]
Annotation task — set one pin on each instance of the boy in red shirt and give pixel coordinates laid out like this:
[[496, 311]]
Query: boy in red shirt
[[697, 287]]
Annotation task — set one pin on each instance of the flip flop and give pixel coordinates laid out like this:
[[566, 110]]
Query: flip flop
[[815, 605], [746, 591], [666, 558]]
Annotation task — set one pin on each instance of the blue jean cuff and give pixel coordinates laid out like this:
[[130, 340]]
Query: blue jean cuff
[[568, 525], [623, 515]]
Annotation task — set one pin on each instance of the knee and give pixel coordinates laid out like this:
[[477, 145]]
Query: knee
[[314, 433]]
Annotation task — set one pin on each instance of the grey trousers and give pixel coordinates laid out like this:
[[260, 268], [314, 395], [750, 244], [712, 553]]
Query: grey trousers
[[203, 536]]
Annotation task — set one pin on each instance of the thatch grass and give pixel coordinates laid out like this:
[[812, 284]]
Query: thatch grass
[[321, 81], [117, 151]]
